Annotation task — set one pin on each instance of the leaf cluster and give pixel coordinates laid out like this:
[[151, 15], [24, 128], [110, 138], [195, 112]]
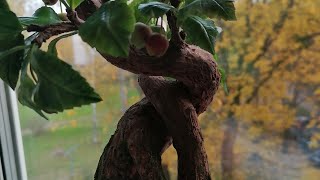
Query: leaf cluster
[[48, 84]]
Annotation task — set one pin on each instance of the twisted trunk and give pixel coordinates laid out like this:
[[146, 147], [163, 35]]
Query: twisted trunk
[[170, 110], [168, 114], [171, 100], [134, 151]]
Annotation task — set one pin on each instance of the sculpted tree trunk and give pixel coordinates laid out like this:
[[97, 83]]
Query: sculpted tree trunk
[[167, 115]]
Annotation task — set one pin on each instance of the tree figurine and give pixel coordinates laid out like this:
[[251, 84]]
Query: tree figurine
[[121, 32]]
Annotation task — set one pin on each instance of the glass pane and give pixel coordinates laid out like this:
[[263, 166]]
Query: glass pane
[[69, 145], [267, 127]]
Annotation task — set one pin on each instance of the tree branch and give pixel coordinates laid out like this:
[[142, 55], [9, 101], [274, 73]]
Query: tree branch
[[276, 30], [46, 32], [266, 45], [175, 32], [263, 81], [172, 22], [192, 66], [87, 8], [74, 18]]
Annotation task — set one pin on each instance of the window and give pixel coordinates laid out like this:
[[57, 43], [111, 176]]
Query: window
[[267, 127], [11, 149], [2, 175]]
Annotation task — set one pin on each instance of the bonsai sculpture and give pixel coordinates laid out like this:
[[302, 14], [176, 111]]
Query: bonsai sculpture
[[133, 36]]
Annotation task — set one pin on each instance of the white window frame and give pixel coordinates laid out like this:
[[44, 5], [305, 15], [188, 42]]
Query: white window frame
[[10, 135], [1, 173]]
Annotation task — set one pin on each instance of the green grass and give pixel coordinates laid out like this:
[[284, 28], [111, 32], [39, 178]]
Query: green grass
[[28, 116], [58, 149], [67, 151]]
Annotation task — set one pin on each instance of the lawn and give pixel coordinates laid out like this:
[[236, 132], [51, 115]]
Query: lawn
[[66, 153], [63, 148]]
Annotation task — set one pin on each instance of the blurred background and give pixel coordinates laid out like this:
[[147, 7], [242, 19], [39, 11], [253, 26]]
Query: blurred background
[[267, 127]]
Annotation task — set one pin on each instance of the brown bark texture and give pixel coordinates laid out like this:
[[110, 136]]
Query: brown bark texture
[[167, 115]]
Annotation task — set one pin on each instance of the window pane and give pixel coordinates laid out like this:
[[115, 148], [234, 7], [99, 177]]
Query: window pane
[[267, 127], [68, 146]]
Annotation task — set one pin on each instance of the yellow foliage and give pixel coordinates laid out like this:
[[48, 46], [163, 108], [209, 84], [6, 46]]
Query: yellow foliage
[[71, 112], [169, 159], [73, 123], [272, 72], [313, 144], [311, 173], [312, 123]]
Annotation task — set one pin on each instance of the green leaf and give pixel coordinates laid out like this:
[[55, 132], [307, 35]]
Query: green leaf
[[25, 90], [74, 3], [155, 9], [9, 25], [109, 28], [138, 15], [59, 87], [42, 16], [210, 8], [4, 5], [10, 37], [52, 46], [10, 61], [206, 34], [223, 79]]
